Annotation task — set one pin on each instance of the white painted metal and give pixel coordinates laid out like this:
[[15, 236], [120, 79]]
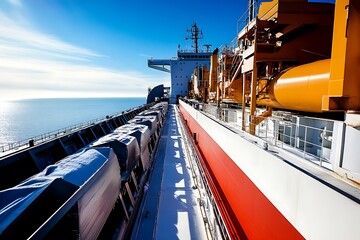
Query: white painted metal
[[314, 209], [351, 158]]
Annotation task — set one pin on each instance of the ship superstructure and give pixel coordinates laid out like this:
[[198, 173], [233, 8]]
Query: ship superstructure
[[182, 67]]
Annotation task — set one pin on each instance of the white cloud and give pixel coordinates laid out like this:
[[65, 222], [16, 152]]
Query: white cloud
[[15, 2], [11, 32], [34, 64]]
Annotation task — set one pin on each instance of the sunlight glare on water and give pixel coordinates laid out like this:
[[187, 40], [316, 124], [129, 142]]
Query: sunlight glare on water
[[7, 110], [27, 118]]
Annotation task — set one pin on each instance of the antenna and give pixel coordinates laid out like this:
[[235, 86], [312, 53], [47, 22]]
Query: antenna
[[194, 34], [207, 46]]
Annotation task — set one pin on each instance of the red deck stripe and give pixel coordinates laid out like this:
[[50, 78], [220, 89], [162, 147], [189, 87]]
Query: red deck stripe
[[234, 228], [247, 205]]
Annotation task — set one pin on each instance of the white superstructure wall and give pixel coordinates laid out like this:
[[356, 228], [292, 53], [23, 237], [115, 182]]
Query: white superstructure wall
[[181, 71]]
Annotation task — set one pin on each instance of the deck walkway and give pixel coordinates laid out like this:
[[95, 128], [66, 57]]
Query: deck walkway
[[170, 209]]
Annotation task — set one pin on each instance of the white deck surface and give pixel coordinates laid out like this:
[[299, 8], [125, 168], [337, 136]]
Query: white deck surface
[[171, 209]]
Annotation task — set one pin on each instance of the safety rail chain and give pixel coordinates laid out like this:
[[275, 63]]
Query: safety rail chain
[[209, 206], [282, 139], [60, 132]]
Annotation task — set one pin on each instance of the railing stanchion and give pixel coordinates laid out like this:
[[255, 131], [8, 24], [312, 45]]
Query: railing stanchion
[[305, 142]]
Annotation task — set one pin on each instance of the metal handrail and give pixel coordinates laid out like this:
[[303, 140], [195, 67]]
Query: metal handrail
[[195, 163], [230, 117], [59, 132], [192, 51], [241, 23]]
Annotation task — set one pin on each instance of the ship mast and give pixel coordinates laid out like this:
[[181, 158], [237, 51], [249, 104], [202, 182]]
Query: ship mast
[[194, 34]]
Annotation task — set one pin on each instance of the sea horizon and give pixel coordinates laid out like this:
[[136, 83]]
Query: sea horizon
[[24, 119], [40, 98]]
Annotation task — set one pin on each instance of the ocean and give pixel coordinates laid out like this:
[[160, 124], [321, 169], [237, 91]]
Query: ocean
[[24, 119]]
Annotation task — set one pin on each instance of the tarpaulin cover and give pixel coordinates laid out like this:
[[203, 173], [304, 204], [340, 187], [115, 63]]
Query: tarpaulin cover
[[125, 147], [142, 134], [75, 169], [152, 112], [161, 105], [149, 121], [95, 205]]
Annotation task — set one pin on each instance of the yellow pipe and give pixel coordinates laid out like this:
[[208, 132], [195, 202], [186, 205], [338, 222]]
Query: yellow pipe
[[300, 88]]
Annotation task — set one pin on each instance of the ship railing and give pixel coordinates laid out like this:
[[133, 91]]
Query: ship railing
[[308, 142], [29, 142], [46, 136], [192, 51], [228, 49], [247, 21], [211, 213], [213, 110], [244, 19]]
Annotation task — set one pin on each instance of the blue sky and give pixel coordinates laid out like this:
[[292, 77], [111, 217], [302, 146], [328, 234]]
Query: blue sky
[[88, 48]]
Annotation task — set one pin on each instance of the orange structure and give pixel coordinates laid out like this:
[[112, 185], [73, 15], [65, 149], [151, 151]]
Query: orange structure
[[198, 85], [295, 55]]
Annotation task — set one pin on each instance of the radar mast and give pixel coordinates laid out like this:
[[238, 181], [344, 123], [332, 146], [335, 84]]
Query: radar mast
[[194, 34]]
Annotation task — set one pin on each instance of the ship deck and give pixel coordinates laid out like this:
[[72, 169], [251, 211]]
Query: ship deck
[[170, 209]]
